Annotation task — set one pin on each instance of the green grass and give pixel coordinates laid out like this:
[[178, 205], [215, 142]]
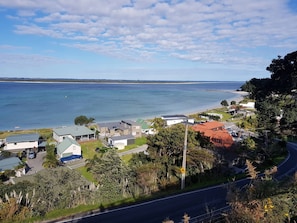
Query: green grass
[[138, 142], [88, 148], [43, 132], [126, 158], [59, 213], [83, 171]]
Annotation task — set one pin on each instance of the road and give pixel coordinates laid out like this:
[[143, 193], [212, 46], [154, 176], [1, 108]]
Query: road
[[193, 203]]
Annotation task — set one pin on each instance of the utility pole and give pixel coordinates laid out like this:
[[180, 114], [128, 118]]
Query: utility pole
[[184, 164]]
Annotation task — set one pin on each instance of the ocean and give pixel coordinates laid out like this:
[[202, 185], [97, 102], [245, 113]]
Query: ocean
[[32, 105]]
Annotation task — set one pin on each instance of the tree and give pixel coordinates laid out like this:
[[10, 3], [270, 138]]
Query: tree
[[50, 159], [158, 123], [233, 103], [112, 175], [224, 103], [284, 73], [83, 120], [60, 188]]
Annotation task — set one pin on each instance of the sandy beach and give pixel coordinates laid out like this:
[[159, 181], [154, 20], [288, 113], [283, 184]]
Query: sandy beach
[[239, 96]]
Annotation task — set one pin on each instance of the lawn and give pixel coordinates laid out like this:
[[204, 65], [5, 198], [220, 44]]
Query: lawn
[[83, 171], [88, 148], [43, 132]]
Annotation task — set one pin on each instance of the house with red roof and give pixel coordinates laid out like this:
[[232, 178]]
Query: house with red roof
[[216, 132]]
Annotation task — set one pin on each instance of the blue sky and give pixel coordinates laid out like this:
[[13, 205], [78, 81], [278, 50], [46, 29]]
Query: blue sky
[[145, 39]]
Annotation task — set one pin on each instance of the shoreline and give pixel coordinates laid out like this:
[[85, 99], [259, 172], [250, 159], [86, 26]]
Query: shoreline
[[98, 81], [238, 96]]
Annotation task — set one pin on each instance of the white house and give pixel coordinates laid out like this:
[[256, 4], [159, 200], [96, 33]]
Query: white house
[[121, 141], [21, 142], [76, 132], [250, 105], [175, 119], [68, 149]]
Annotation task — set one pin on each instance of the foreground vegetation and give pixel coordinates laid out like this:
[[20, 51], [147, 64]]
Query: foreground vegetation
[[111, 181]]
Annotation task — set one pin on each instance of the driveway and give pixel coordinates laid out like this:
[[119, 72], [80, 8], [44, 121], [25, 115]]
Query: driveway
[[35, 165], [135, 150]]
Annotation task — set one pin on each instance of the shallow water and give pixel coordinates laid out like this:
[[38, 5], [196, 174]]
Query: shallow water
[[38, 105]]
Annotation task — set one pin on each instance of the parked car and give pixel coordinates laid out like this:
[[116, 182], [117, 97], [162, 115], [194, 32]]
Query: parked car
[[31, 155]]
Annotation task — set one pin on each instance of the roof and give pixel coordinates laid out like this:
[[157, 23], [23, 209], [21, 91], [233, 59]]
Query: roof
[[118, 125], [219, 136], [208, 125], [169, 117], [65, 144], [143, 123], [129, 122], [9, 163], [123, 137], [23, 138], [110, 125], [76, 130]]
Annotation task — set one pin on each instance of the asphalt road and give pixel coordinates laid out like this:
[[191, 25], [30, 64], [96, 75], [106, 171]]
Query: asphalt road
[[194, 203]]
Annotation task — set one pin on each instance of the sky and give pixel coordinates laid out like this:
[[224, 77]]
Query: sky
[[188, 40]]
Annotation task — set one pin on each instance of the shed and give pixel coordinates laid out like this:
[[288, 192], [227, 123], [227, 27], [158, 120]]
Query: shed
[[121, 141]]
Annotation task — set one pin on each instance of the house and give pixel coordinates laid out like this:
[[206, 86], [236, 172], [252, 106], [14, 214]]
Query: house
[[175, 119], [248, 105], [21, 142], [68, 150], [124, 127], [216, 132], [146, 128], [121, 141], [13, 163], [76, 132]]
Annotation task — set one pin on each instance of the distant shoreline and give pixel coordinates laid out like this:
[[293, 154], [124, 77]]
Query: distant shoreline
[[100, 81]]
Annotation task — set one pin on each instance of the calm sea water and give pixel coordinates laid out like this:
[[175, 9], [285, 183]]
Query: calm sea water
[[38, 105]]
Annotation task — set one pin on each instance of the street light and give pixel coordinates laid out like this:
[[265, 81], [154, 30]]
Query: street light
[[184, 164]]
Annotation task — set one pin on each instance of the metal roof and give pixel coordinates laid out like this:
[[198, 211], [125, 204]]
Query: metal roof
[[9, 163], [169, 117], [76, 130], [65, 145], [122, 137], [23, 138]]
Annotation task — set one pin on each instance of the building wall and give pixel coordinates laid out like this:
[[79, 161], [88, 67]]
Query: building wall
[[21, 145], [73, 149]]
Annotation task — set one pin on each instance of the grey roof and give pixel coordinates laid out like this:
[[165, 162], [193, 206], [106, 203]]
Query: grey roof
[[76, 130], [168, 117], [118, 125], [110, 125], [22, 138], [123, 137], [65, 145], [9, 163], [130, 122]]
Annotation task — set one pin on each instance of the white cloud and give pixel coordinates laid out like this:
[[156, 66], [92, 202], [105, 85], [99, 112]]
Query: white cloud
[[207, 31]]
